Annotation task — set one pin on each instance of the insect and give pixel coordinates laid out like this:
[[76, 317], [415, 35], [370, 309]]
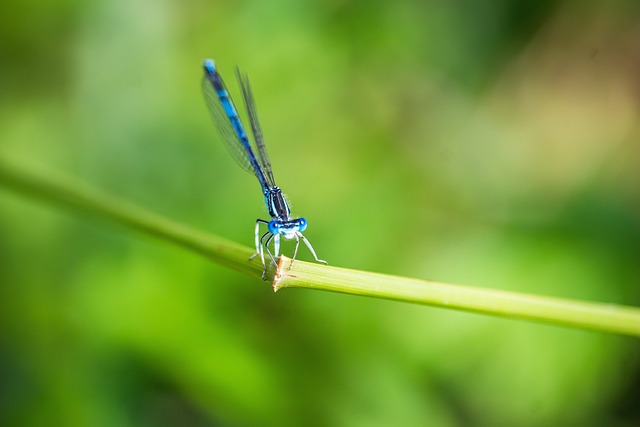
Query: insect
[[232, 131]]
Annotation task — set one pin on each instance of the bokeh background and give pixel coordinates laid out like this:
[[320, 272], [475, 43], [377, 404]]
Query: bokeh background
[[484, 143]]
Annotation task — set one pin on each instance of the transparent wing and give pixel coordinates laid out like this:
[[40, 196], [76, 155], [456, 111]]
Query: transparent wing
[[225, 128], [250, 105]]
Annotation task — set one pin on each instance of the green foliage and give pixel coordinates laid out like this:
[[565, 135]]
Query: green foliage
[[466, 143]]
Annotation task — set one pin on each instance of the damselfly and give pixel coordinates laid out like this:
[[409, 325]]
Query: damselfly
[[236, 139]]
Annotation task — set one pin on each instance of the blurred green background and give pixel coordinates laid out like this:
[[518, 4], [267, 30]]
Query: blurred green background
[[484, 143]]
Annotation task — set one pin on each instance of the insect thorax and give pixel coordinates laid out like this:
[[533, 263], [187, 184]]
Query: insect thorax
[[276, 204]]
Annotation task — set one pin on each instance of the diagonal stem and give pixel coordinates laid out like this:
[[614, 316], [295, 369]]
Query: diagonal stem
[[70, 193]]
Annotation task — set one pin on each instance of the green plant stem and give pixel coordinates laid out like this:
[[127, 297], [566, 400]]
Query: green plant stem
[[54, 187], [559, 311], [579, 314]]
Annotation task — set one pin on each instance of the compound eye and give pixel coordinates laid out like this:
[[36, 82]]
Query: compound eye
[[302, 224], [274, 227]]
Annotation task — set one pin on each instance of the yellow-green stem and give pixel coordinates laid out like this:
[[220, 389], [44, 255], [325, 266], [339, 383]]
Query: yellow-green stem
[[69, 192]]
